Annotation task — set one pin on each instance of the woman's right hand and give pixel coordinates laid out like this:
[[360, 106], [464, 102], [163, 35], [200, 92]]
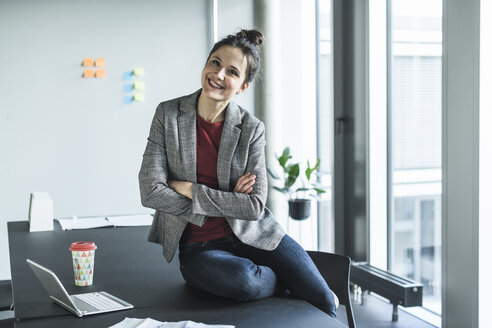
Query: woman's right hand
[[245, 183]]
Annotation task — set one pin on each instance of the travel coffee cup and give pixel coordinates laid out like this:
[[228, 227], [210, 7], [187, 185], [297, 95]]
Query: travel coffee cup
[[83, 262]]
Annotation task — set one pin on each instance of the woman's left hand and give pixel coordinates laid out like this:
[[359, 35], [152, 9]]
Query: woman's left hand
[[182, 187], [245, 183]]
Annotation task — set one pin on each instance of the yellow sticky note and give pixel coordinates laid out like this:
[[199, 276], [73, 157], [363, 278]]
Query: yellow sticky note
[[100, 62], [139, 97], [89, 73], [139, 85], [88, 62], [100, 73], [139, 71]]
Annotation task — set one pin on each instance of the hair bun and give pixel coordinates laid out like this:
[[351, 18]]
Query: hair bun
[[253, 36]]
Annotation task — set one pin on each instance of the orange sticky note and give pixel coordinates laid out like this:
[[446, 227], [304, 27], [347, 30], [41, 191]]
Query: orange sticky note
[[89, 73], [88, 62], [100, 62], [100, 73]]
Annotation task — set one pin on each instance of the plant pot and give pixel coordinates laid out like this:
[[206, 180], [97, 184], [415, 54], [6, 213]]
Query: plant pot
[[299, 209]]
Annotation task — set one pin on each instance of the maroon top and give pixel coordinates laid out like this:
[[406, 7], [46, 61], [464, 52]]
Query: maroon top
[[207, 149]]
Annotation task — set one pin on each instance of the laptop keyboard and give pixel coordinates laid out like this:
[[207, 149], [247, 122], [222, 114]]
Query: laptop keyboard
[[95, 302]]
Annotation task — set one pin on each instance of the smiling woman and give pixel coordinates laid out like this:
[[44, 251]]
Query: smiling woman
[[204, 173], [230, 68], [222, 77]]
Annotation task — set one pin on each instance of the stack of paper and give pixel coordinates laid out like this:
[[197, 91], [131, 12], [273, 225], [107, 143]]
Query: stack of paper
[[84, 223], [105, 221], [151, 323], [130, 220]]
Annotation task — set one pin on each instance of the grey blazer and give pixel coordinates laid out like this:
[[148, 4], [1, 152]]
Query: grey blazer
[[171, 155]]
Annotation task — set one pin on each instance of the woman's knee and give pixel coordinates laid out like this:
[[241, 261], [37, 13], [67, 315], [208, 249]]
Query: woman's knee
[[327, 302], [255, 285], [240, 282]]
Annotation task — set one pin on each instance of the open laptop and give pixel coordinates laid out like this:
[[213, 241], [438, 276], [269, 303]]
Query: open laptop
[[80, 304]]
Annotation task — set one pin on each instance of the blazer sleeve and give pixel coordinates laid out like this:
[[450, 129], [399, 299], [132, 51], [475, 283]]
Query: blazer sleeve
[[211, 202], [154, 190]]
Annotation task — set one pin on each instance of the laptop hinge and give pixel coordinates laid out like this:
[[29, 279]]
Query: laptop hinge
[[68, 307]]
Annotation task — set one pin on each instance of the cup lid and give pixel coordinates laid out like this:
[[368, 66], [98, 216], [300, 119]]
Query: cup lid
[[80, 246]]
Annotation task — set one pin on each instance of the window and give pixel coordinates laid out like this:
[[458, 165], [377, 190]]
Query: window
[[414, 136], [325, 121]]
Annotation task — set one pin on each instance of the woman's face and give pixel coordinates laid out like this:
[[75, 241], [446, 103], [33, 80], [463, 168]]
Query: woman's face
[[224, 74]]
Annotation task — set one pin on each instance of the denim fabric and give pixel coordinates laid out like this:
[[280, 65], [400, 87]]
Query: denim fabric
[[229, 268]]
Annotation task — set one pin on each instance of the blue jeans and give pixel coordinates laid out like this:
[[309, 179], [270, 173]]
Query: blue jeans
[[229, 268]]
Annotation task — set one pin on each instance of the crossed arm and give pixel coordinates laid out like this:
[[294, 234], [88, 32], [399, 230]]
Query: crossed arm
[[193, 201], [244, 184]]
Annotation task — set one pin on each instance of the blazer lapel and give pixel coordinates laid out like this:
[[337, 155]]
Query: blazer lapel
[[228, 142], [187, 135]]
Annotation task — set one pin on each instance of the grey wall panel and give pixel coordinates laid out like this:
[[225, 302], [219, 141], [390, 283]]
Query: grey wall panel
[[350, 111], [460, 163], [74, 137]]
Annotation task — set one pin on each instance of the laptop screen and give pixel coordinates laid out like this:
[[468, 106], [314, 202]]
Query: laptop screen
[[52, 284]]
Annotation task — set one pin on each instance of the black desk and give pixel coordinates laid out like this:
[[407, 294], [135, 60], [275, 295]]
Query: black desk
[[128, 266]]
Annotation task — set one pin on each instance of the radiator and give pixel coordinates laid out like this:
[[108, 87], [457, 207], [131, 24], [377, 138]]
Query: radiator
[[398, 290]]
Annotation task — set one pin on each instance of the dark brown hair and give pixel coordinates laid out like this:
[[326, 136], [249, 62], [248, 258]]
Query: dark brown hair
[[247, 41]]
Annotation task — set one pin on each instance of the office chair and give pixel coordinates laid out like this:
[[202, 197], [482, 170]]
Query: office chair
[[336, 271]]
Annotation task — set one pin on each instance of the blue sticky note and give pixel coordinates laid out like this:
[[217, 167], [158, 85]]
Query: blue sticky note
[[127, 87], [127, 76], [127, 100]]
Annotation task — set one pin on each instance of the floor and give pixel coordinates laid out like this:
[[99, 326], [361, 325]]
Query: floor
[[377, 313]]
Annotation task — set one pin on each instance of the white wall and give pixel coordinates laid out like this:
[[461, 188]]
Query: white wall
[[298, 102], [74, 137], [485, 173]]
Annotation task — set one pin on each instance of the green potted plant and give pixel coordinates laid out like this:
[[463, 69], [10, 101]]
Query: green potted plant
[[298, 190]]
